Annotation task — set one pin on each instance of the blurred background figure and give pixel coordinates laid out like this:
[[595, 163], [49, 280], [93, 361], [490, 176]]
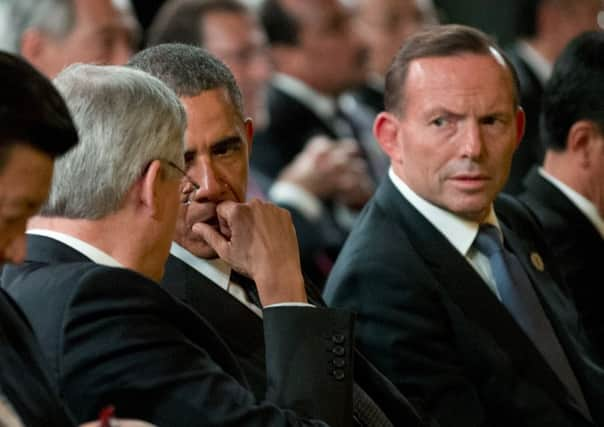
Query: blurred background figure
[[52, 34], [384, 25], [554, 24], [567, 193]]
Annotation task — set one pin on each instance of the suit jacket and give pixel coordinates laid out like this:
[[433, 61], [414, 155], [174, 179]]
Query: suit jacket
[[24, 378], [114, 337], [242, 331], [432, 326], [577, 246], [530, 152]]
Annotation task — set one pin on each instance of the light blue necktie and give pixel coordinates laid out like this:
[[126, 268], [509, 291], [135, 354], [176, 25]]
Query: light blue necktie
[[519, 297]]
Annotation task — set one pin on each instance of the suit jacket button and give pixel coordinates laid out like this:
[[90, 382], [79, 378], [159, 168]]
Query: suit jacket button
[[338, 350], [338, 338], [339, 362], [338, 374]]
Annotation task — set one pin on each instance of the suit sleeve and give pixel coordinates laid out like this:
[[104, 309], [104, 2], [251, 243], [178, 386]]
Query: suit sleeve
[[121, 348]]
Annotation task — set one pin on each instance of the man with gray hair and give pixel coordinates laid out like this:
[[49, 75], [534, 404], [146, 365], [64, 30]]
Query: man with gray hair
[[89, 283], [52, 34]]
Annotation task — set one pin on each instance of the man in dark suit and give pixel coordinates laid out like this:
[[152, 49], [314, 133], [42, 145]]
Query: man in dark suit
[[477, 331], [95, 255], [35, 126], [548, 25], [230, 31], [567, 193], [317, 56], [203, 278]]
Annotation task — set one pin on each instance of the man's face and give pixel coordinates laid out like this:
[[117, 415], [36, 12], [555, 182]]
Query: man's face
[[24, 185], [240, 43], [385, 24], [101, 35], [216, 157], [336, 59], [458, 131]]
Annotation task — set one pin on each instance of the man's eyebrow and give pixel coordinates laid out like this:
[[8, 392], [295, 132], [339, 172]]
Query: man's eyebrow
[[229, 141]]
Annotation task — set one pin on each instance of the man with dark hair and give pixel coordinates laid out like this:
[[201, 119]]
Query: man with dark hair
[[200, 270], [35, 126], [318, 56], [549, 26], [567, 193], [230, 31], [457, 298]]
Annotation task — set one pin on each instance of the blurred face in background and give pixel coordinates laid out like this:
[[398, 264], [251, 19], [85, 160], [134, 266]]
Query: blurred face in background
[[384, 25], [239, 41], [102, 34], [333, 56]]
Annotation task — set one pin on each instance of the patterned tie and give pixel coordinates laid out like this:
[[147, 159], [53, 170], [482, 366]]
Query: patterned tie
[[519, 297]]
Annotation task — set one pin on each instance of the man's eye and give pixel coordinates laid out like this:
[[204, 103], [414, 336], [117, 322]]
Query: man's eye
[[439, 122], [226, 149]]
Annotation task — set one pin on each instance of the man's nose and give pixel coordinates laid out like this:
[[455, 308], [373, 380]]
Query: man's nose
[[210, 185], [472, 140]]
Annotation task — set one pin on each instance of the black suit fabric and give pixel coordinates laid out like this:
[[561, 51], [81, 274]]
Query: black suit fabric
[[24, 378], [242, 330], [530, 152], [115, 337], [434, 328], [577, 246]]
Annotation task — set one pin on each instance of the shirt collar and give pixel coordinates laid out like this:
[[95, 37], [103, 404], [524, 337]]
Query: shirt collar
[[583, 204], [95, 254], [322, 105], [458, 231], [537, 62], [216, 270]]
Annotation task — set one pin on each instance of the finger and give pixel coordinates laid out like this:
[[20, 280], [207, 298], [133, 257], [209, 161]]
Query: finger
[[213, 238]]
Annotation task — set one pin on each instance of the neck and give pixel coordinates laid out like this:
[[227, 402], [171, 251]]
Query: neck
[[108, 234], [571, 172]]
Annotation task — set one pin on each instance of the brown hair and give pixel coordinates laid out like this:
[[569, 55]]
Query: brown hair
[[441, 40]]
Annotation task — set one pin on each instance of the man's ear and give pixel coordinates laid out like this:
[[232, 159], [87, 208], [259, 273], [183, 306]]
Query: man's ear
[[149, 190], [249, 133], [32, 46], [385, 129], [579, 141]]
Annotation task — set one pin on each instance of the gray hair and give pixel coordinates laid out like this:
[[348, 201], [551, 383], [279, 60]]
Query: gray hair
[[126, 119], [54, 17], [188, 70]]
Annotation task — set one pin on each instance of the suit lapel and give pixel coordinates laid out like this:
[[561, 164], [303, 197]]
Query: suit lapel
[[467, 289]]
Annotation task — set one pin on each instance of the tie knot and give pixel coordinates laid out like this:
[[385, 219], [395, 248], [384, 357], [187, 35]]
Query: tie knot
[[488, 241]]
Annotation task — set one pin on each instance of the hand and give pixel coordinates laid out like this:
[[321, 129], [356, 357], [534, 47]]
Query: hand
[[258, 240], [312, 168], [354, 184]]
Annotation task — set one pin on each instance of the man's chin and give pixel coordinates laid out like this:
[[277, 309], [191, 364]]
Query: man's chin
[[201, 250]]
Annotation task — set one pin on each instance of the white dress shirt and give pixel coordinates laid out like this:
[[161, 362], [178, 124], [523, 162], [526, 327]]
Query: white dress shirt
[[584, 205], [458, 231], [93, 253]]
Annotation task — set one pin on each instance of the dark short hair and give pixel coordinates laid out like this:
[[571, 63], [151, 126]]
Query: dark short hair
[[281, 27], [575, 90], [188, 70], [181, 21], [438, 41], [31, 110]]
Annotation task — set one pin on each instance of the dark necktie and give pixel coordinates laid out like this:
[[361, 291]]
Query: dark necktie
[[366, 412], [519, 297]]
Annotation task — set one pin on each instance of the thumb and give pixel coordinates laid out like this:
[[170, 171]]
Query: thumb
[[212, 237]]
